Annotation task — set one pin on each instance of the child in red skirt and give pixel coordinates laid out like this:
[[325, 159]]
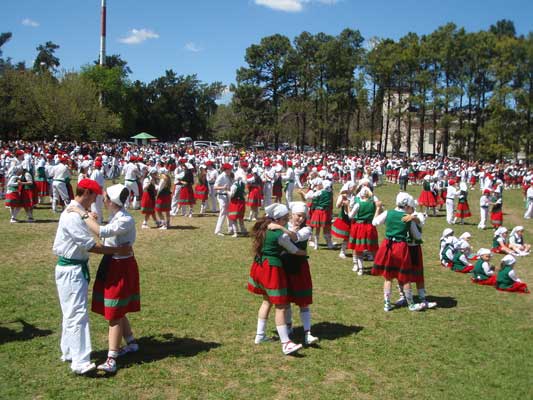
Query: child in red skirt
[[463, 209], [427, 197], [255, 195], [149, 197], [237, 207], [507, 280], [483, 272], [321, 217], [300, 285], [499, 241], [267, 275], [460, 261], [14, 194], [341, 225], [393, 259], [363, 235], [201, 190], [163, 201]]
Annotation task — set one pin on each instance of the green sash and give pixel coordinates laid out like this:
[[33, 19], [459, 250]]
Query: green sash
[[66, 262]]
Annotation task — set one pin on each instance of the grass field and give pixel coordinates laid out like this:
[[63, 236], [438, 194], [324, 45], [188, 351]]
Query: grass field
[[197, 324]]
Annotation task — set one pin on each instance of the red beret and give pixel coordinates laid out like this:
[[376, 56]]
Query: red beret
[[226, 166], [90, 184], [98, 164], [19, 152], [244, 163], [451, 182]]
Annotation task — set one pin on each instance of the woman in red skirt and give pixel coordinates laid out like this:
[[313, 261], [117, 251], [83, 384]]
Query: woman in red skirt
[[393, 259], [27, 199], [363, 235], [201, 190], [267, 275], [163, 201], [148, 197], [186, 197], [254, 183], [427, 197], [463, 209], [14, 194], [236, 208], [116, 290], [341, 225]]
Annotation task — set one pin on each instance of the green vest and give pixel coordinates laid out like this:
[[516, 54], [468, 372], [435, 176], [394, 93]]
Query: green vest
[[324, 200], [239, 192], [503, 281], [444, 251], [366, 210], [426, 186], [396, 229], [41, 174], [495, 243], [457, 264], [271, 248], [479, 272]]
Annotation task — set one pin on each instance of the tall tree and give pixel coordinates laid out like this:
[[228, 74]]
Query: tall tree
[[46, 59]]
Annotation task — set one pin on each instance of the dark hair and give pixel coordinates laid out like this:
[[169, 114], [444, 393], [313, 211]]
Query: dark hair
[[259, 233], [81, 191]]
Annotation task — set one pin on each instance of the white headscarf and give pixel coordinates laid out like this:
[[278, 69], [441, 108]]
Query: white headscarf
[[276, 210]]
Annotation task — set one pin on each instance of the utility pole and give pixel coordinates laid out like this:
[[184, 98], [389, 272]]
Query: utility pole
[[102, 34]]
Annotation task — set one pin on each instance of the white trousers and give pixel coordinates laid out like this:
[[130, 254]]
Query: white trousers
[[175, 198], [75, 337], [483, 215], [529, 212], [288, 193], [59, 191], [212, 197], [223, 205], [267, 194], [449, 211], [134, 189]]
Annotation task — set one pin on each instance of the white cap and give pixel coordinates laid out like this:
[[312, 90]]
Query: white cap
[[298, 207], [484, 252], [508, 260], [465, 236], [500, 230], [446, 232], [403, 199], [326, 184], [118, 194], [276, 210]]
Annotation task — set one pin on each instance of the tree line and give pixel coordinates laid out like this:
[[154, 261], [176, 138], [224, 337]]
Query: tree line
[[99, 102], [472, 92]]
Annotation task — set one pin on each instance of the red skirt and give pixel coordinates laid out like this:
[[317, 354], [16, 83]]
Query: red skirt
[[42, 188], [116, 290], [236, 209], [363, 236], [463, 211], [417, 263], [393, 261], [465, 270], [277, 190], [487, 282], [254, 197], [519, 287], [496, 218], [186, 196], [147, 204], [427, 199], [13, 200], [340, 229], [27, 200], [163, 202], [201, 192], [320, 218], [300, 285], [269, 280]]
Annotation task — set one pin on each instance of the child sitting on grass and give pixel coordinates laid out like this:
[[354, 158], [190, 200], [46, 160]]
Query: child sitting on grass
[[483, 272], [507, 280], [460, 261]]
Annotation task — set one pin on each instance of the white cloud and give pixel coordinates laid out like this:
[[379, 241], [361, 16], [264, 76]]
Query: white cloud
[[137, 36], [291, 5], [190, 46], [30, 22]]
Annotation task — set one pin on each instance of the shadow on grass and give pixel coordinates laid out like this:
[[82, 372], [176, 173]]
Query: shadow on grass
[[155, 348], [443, 301], [331, 330], [183, 227], [45, 221], [28, 332]]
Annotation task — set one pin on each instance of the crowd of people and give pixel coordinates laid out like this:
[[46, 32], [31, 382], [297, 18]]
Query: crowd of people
[[296, 192]]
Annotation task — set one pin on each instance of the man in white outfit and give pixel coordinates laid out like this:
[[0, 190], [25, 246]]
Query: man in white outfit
[[131, 175], [268, 177], [451, 193], [72, 245], [222, 187], [289, 179], [211, 176], [98, 176], [60, 174], [529, 198]]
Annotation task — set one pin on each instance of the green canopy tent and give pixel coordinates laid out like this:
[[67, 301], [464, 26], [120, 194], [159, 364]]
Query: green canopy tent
[[143, 137]]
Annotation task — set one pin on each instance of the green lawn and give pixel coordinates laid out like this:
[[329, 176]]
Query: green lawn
[[197, 324]]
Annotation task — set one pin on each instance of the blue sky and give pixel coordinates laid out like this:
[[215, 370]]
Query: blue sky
[[209, 37]]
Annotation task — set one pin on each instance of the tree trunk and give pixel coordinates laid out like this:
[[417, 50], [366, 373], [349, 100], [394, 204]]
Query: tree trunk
[[387, 123]]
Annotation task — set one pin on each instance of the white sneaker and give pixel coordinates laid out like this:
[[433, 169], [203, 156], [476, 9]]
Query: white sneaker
[[290, 347], [235, 235], [129, 348], [387, 306], [429, 304], [402, 302], [110, 366], [342, 255], [145, 226], [310, 339], [13, 221], [163, 227], [262, 339], [219, 234], [360, 272], [85, 369], [416, 307], [355, 268], [315, 246]]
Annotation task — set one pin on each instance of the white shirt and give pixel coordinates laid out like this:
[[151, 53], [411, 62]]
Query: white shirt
[[60, 172], [223, 180], [98, 176], [119, 231], [131, 172], [73, 238]]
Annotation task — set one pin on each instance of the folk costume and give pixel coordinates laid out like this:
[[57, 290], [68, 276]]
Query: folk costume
[[483, 272], [507, 280]]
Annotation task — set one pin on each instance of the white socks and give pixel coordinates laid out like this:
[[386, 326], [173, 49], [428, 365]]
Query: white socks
[[283, 332], [261, 327], [305, 316]]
